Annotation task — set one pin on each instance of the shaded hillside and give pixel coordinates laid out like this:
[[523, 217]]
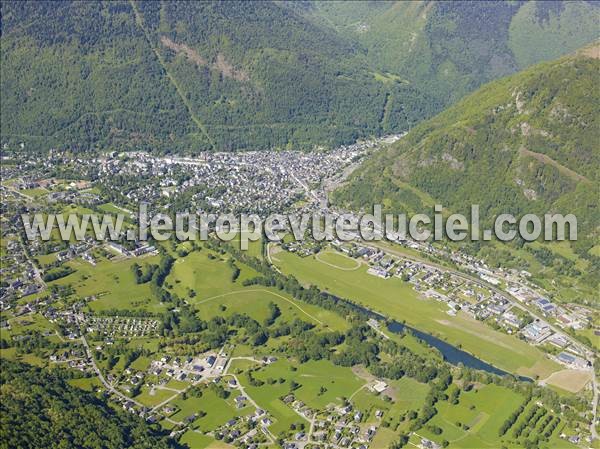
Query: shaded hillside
[[188, 76], [523, 144], [39, 409], [450, 48]]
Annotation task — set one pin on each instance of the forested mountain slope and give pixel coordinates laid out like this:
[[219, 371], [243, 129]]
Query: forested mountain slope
[[39, 409], [527, 143], [451, 48], [190, 76]]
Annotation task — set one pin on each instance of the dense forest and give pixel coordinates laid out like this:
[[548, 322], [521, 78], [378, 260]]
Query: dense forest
[[189, 76], [524, 144], [448, 49], [192, 76], [39, 409]]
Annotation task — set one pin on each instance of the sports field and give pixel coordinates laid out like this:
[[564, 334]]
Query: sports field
[[338, 260]]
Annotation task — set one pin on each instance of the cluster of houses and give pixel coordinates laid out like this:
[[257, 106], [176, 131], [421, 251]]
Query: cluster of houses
[[303, 248], [75, 358], [121, 326], [190, 369], [139, 249], [74, 197], [480, 301], [81, 249], [254, 182], [19, 275], [337, 427], [247, 431]]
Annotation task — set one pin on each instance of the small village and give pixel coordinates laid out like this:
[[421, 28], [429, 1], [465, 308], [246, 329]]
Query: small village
[[478, 298]]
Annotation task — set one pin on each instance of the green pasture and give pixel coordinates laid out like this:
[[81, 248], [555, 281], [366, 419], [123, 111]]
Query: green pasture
[[397, 299], [113, 284]]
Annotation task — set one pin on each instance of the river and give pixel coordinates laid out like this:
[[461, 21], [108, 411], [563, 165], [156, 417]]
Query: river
[[450, 353]]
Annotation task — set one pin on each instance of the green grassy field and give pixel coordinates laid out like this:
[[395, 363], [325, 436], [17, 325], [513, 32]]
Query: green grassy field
[[87, 383], [338, 382], [46, 259], [254, 302], [218, 411], [196, 440], [211, 281], [113, 283], [110, 208], [254, 246], [155, 398], [33, 322], [406, 394], [482, 411], [338, 260], [207, 277], [187, 407], [141, 363], [396, 299], [35, 193]]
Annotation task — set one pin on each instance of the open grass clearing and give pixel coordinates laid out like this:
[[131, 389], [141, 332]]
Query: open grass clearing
[[475, 420], [397, 299], [113, 284], [196, 440], [338, 260], [571, 380], [216, 294], [337, 383], [86, 383], [151, 397]]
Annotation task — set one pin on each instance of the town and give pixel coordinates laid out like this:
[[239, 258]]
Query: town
[[139, 358]]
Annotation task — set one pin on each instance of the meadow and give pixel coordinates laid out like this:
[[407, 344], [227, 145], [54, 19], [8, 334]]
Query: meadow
[[338, 382], [218, 411], [151, 398], [406, 394], [216, 294], [397, 299], [196, 440], [113, 284]]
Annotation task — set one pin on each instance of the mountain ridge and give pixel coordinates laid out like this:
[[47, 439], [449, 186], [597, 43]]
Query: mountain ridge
[[526, 143], [188, 77]]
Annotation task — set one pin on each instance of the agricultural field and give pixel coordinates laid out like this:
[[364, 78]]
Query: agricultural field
[[87, 383], [216, 294], [396, 299], [475, 420], [218, 411], [151, 397], [112, 283]]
